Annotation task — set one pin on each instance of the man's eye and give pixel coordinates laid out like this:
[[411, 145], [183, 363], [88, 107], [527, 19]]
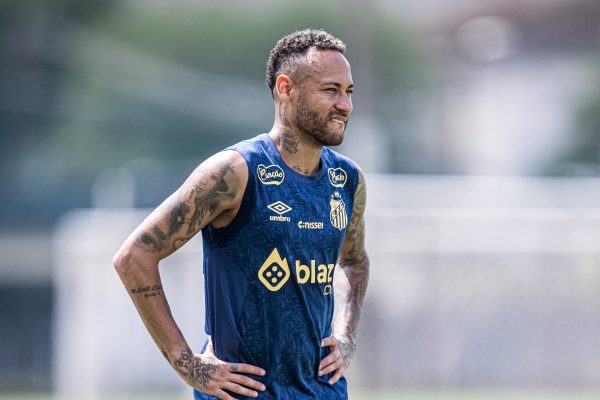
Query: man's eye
[[332, 90]]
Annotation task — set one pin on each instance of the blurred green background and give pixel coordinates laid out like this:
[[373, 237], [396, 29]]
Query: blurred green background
[[112, 103]]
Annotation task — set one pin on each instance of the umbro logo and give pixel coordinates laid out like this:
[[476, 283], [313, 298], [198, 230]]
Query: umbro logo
[[279, 207]]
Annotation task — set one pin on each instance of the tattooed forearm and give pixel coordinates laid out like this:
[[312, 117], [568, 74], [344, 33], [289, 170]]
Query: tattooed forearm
[[148, 291], [357, 275], [195, 371], [354, 264], [348, 315]]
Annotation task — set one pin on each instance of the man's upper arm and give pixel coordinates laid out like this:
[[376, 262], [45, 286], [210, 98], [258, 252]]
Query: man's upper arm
[[216, 187], [353, 246]]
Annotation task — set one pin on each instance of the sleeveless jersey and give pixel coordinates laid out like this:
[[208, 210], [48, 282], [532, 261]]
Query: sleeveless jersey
[[269, 273]]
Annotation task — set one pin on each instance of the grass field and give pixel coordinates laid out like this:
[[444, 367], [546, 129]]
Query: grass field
[[380, 395]]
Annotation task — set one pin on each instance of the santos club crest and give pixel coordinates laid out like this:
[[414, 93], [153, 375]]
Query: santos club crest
[[337, 215]]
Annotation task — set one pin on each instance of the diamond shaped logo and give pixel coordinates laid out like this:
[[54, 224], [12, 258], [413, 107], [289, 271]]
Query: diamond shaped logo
[[274, 272], [279, 207]]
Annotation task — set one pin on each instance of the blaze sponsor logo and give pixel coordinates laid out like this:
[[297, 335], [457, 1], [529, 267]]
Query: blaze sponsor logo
[[275, 272], [337, 215], [337, 177], [280, 208], [270, 175], [310, 225], [323, 273]]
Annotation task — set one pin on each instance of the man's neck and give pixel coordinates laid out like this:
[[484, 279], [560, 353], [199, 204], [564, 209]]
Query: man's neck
[[299, 151]]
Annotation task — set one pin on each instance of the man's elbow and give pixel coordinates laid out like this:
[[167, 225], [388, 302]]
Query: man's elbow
[[123, 260]]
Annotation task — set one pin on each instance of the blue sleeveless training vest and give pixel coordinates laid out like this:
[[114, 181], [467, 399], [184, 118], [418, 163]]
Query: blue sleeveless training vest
[[269, 274]]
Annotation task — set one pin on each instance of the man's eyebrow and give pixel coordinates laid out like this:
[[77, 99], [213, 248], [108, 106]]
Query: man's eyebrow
[[336, 84]]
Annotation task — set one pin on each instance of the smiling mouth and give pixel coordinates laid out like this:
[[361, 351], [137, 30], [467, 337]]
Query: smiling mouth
[[338, 121]]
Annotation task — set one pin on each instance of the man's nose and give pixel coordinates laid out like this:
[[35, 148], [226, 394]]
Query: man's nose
[[344, 103]]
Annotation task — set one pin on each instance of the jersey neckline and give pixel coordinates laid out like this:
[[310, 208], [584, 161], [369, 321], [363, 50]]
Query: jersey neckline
[[306, 178]]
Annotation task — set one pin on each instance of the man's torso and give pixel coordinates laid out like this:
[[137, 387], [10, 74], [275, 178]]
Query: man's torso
[[269, 273]]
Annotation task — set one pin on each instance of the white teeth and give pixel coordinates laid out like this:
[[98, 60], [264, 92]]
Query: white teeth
[[338, 121]]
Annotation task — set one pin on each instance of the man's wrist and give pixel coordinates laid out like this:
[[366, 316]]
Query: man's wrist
[[347, 346], [180, 358], [347, 342], [347, 338]]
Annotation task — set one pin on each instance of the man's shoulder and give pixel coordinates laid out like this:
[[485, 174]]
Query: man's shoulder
[[243, 155], [248, 146], [342, 159]]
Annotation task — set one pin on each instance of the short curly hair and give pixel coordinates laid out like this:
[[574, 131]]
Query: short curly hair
[[285, 57]]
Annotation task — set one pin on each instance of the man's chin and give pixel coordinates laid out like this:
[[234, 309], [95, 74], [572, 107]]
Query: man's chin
[[335, 139], [329, 139]]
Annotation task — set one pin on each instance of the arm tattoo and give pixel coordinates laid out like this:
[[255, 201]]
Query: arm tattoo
[[148, 291], [148, 240], [154, 241], [196, 371], [347, 348], [177, 217], [188, 209], [207, 197], [354, 262], [356, 231]]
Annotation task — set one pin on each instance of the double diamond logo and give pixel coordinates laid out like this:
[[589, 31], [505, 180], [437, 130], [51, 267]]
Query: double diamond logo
[[279, 207]]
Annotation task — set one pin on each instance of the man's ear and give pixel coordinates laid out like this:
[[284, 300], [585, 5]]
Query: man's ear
[[284, 86]]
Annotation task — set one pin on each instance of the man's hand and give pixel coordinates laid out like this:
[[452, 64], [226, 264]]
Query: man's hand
[[338, 359], [213, 376]]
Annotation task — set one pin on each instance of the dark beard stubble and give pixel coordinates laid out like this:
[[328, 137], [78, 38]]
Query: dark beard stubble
[[310, 122]]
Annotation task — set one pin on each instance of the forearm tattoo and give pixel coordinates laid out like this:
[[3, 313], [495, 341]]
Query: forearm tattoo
[[188, 210], [195, 371], [355, 265], [147, 291]]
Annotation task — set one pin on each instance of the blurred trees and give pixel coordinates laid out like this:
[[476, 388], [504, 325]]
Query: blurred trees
[[87, 87]]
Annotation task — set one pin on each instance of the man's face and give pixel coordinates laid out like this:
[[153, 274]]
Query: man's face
[[324, 100]]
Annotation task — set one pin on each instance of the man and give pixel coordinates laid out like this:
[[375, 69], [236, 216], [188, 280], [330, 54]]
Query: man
[[278, 214]]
